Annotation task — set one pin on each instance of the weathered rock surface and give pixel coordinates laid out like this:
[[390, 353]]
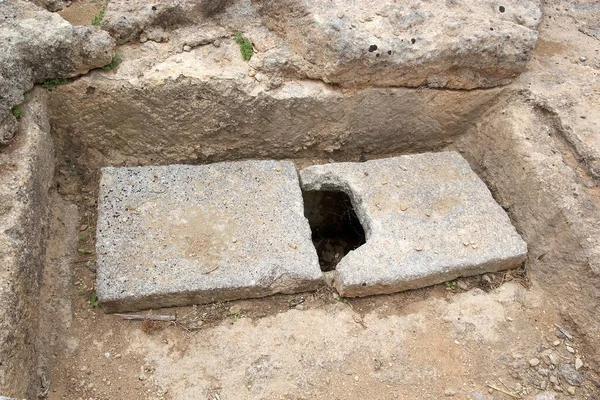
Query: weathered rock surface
[[453, 44], [182, 235], [26, 171], [132, 20], [50, 5], [459, 45], [203, 106], [557, 215], [427, 218], [37, 45]]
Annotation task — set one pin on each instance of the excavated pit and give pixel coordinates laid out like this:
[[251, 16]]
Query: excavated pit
[[162, 106], [336, 230]]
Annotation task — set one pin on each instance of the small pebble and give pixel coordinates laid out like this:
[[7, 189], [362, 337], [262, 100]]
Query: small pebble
[[578, 363], [252, 73], [217, 43], [403, 207], [450, 393], [557, 388], [588, 184], [556, 342], [187, 48], [234, 309], [534, 362], [570, 350], [571, 390], [583, 59]]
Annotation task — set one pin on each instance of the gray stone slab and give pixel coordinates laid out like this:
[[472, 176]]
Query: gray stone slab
[[428, 219], [180, 235]]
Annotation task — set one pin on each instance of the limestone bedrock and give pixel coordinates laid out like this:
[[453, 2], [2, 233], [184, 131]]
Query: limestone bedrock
[[37, 45], [428, 218], [451, 44], [181, 235]]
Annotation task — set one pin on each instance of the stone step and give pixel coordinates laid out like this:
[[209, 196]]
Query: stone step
[[180, 235], [428, 219]]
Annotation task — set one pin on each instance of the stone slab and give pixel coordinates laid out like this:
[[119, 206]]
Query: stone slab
[[180, 235], [428, 219]]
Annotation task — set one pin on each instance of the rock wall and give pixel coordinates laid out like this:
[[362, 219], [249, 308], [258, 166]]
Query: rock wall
[[26, 176], [517, 149]]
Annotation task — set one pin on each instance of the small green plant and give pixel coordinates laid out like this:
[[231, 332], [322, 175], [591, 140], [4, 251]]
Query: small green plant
[[113, 64], [97, 21], [93, 299], [234, 316], [49, 84], [83, 250], [450, 284], [245, 46], [17, 112]]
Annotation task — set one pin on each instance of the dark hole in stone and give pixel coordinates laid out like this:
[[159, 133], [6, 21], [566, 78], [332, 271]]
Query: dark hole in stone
[[153, 8], [502, 9], [413, 40], [389, 52], [377, 55], [372, 48], [335, 227]]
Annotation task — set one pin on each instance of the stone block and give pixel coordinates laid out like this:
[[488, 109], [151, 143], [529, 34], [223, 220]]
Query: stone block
[[180, 235], [428, 218]]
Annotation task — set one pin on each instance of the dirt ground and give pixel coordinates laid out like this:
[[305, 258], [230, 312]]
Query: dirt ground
[[486, 337]]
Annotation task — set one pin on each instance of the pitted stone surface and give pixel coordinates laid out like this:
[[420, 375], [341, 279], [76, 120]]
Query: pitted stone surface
[[180, 235], [428, 219]]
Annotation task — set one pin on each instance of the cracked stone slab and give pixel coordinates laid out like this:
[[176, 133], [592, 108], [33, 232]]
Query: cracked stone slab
[[179, 235], [428, 219]]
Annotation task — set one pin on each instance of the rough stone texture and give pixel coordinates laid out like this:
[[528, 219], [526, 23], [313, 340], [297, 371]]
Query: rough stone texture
[[519, 152], [566, 86], [203, 106], [453, 44], [458, 44], [26, 171], [427, 218], [37, 45], [181, 235], [50, 5], [132, 20]]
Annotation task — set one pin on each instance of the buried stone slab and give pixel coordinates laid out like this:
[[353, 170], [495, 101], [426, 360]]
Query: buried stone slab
[[180, 235], [428, 219]]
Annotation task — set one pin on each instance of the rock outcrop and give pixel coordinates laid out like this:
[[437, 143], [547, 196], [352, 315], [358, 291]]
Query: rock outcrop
[[37, 45], [453, 44]]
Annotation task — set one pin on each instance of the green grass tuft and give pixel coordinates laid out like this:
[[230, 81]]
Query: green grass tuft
[[97, 21], [93, 299], [49, 84], [17, 112], [245, 46], [113, 64]]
